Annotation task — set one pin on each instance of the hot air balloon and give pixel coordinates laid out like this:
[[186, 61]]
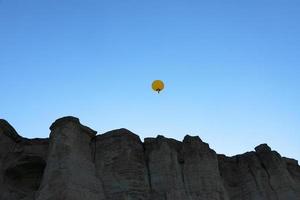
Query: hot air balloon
[[158, 85]]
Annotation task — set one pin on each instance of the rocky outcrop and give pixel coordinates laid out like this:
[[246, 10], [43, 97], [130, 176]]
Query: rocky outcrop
[[75, 164], [22, 164], [70, 172], [259, 175], [120, 164]]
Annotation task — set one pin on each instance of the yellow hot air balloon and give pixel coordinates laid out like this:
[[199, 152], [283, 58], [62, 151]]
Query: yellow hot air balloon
[[158, 85]]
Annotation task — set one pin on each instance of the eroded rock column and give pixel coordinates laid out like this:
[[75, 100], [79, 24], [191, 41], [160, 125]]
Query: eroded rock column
[[279, 178], [201, 172], [121, 165], [70, 172], [165, 168]]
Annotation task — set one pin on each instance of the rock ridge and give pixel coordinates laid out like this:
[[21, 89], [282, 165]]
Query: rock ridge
[[74, 164]]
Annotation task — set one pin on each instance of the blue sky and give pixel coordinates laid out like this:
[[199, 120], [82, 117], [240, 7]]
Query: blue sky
[[231, 69]]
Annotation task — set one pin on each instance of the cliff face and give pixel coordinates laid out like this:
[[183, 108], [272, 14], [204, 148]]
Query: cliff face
[[76, 164]]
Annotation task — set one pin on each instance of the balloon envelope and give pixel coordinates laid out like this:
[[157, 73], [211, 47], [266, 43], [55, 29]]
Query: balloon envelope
[[158, 85]]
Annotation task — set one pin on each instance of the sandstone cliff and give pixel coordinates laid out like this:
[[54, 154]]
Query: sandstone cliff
[[76, 164]]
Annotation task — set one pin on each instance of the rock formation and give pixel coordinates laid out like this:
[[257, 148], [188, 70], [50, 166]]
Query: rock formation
[[76, 164]]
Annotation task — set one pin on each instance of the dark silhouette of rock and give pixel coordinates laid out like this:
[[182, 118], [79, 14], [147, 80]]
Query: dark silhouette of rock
[[76, 164], [120, 164], [70, 172], [22, 164]]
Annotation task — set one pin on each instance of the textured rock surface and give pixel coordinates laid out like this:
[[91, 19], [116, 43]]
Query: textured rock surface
[[22, 163], [75, 163], [70, 172], [120, 164]]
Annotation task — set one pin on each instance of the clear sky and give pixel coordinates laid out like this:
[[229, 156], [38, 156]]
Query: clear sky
[[231, 68]]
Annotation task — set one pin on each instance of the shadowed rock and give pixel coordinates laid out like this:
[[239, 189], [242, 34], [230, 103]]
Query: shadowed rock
[[120, 163], [75, 164], [70, 172], [22, 164]]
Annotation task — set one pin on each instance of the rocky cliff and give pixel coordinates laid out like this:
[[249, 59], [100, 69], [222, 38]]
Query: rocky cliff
[[76, 164]]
